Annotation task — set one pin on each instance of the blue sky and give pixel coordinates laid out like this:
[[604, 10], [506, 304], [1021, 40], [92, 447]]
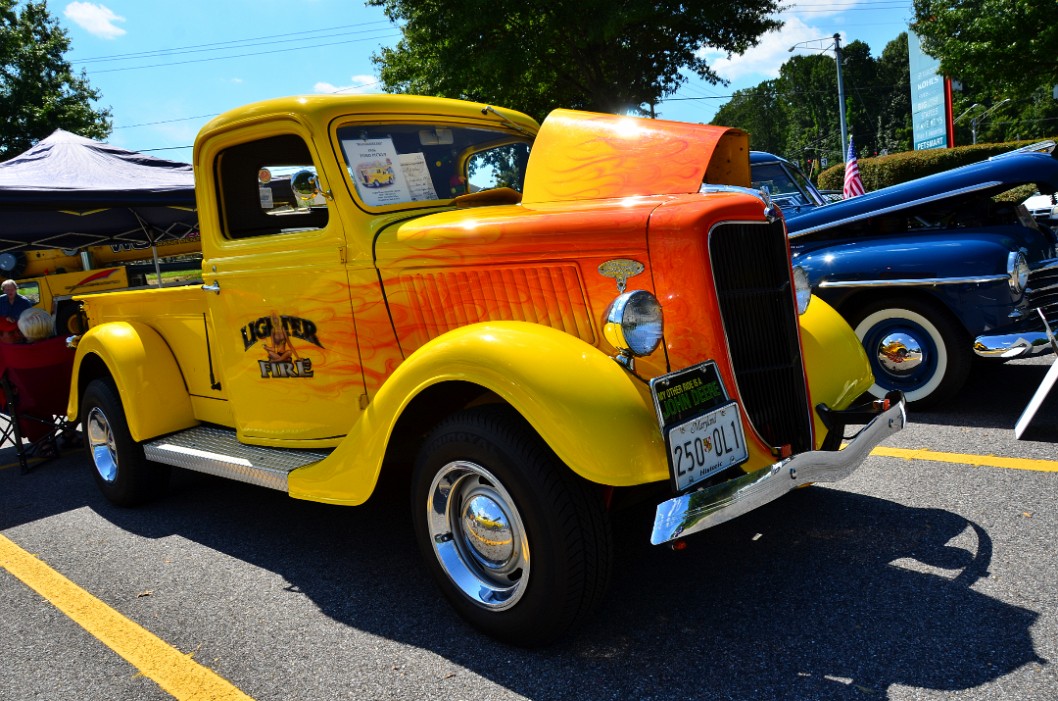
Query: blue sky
[[166, 68]]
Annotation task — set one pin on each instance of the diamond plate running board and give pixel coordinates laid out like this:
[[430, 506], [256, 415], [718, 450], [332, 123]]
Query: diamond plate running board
[[216, 451]]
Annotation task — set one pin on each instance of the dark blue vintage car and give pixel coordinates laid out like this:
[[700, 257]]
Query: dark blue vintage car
[[931, 272]]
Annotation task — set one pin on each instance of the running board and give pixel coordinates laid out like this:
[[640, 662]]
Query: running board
[[216, 451]]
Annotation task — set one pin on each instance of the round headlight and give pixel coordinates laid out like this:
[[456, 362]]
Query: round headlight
[[633, 323], [802, 289], [1018, 270]]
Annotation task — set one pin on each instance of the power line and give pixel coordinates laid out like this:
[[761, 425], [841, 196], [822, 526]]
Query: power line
[[233, 44]]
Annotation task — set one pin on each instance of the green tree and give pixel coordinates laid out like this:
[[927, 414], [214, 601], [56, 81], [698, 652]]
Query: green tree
[[583, 54], [1006, 47], [38, 91], [895, 131], [761, 112]]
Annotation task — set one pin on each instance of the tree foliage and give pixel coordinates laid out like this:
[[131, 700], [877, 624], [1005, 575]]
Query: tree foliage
[[1008, 47], [38, 91], [595, 55]]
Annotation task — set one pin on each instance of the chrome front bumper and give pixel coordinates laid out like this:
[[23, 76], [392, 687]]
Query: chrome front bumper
[[705, 508], [1022, 345]]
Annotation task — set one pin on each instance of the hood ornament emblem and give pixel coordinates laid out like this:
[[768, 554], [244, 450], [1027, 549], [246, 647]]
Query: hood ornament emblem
[[620, 269]]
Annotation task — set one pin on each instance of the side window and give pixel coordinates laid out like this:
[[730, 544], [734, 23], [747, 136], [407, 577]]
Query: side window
[[31, 290], [503, 166], [269, 187]]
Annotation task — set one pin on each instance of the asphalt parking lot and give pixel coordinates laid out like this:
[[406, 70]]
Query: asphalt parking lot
[[929, 574]]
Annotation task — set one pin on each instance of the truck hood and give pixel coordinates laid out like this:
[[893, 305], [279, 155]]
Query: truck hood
[[589, 156]]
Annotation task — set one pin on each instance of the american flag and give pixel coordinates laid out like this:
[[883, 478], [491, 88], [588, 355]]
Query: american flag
[[853, 184]]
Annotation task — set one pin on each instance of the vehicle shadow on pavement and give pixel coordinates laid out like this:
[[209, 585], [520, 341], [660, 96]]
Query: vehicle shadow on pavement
[[994, 396], [822, 595]]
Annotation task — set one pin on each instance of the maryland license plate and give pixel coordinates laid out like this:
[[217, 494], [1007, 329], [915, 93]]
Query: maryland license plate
[[702, 426], [705, 445]]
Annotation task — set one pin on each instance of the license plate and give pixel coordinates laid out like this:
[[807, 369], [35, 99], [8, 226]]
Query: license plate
[[705, 445], [701, 425]]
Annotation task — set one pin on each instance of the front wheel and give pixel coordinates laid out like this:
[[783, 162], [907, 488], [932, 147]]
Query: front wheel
[[122, 471], [915, 347], [518, 543]]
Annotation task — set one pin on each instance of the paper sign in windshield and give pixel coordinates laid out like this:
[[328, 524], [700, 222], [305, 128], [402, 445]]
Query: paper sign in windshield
[[383, 176]]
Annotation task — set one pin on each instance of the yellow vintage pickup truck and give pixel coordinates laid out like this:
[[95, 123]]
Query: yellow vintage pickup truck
[[534, 325]]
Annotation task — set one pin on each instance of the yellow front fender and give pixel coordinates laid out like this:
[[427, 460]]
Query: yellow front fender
[[146, 375], [597, 418], [835, 362]]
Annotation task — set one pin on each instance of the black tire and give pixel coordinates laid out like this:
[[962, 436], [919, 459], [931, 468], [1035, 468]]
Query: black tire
[[914, 346], [535, 560], [123, 473]]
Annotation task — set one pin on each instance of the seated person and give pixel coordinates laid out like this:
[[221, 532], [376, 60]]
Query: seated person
[[35, 324]]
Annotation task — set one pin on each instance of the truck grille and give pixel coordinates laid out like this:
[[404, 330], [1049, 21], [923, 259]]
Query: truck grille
[[751, 271], [1042, 289]]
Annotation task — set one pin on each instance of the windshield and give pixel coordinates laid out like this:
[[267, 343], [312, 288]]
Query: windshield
[[786, 186], [393, 164]]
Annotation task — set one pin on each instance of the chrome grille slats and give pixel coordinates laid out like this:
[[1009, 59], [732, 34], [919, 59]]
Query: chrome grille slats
[[751, 272], [1042, 287]]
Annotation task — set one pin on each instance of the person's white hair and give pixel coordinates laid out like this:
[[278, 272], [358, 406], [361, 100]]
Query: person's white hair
[[36, 324]]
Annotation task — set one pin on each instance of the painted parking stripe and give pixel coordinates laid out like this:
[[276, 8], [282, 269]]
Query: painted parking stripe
[[172, 670], [964, 459]]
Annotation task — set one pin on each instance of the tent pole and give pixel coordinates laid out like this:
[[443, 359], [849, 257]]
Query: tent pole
[[147, 230]]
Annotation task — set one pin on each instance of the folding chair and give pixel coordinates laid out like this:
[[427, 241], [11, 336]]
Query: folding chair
[[35, 387]]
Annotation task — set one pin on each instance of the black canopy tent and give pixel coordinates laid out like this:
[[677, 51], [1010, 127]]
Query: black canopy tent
[[69, 193]]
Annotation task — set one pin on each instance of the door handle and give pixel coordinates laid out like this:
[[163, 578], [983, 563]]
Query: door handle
[[215, 287]]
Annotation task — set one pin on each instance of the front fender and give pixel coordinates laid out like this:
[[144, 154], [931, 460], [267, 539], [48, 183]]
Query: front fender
[[597, 418], [145, 372], [835, 362], [973, 257]]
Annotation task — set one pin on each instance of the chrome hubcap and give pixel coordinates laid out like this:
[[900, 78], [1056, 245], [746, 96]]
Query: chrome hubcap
[[101, 443], [478, 535], [899, 353]]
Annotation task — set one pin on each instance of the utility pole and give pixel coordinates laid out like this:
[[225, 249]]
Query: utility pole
[[841, 98]]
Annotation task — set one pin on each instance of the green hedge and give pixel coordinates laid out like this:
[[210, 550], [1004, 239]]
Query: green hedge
[[883, 171]]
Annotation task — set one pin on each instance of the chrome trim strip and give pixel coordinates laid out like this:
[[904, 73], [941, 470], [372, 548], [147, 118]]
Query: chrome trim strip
[[896, 207], [909, 282], [697, 511]]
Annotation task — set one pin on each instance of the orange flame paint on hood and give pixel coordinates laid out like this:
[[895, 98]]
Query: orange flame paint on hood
[[584, 155]]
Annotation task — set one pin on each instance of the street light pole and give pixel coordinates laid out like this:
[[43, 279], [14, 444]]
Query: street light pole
[[974, 121], [841, 85], [841, 97]]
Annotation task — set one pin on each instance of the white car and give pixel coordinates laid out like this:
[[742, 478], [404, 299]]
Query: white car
[[1043, 208]]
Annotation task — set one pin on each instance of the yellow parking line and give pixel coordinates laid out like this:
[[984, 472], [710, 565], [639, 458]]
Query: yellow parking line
[[963, 459], [171, 669]]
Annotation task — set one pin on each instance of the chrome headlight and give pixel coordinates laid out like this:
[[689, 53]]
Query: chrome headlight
[[802, 289], [634, 323], [1018, 270]]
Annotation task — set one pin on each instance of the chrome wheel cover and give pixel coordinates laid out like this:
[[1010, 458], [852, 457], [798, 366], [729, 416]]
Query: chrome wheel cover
[[478, 536], [101, 444]]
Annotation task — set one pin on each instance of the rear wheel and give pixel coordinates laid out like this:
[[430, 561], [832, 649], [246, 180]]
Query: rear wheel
[[122, 471], [519, 544], [915, 347]]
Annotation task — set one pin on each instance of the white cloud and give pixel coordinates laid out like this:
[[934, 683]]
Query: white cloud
[[97, 20], [358, 84], [773, 50]]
